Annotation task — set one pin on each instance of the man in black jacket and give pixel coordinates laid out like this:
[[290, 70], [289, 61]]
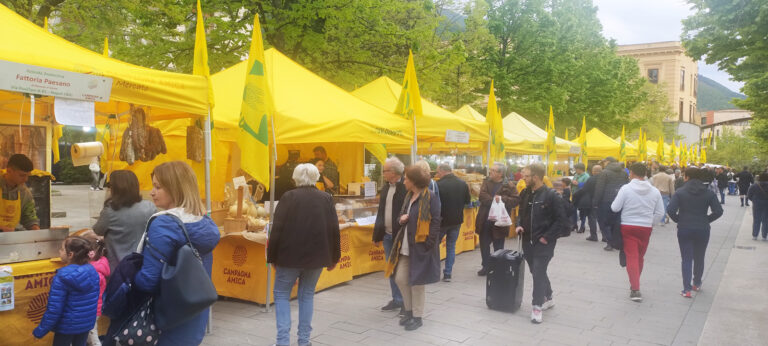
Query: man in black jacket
[[688, 208], [582, 199], [542, 217], [454, 196], [744, 180], [386, 227], [607, 187], [722, 183]]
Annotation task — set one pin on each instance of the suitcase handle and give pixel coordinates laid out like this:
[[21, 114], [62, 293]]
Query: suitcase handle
[[519, 243]]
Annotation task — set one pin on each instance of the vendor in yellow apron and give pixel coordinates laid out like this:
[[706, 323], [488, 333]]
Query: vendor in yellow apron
[[10, 212], [17, 206]]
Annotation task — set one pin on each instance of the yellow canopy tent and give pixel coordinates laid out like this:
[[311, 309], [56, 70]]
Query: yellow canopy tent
[[511, 137], [167, 95], [602, 146], [309, 111], [467, 112], [384, 92], [515, 126]]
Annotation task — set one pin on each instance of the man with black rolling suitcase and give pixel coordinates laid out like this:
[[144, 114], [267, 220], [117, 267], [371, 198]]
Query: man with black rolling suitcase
[[542, 219]]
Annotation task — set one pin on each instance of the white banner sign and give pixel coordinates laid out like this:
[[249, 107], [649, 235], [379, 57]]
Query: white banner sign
[[51, 82], [74, 112], [456, 136]]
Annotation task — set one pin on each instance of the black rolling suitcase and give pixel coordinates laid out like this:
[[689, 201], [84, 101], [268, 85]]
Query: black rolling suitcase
[[505, 281]]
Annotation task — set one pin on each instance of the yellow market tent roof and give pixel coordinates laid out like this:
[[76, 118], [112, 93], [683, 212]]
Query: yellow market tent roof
[[171, 95], [533, 138], [308, 108], [466, 111], [600, 146], [384, 92]]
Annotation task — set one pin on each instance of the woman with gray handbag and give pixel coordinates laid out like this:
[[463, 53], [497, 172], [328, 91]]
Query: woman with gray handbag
[[177, 250]]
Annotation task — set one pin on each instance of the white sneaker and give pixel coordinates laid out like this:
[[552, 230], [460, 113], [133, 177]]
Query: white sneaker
[[548, 304], [536, 314]]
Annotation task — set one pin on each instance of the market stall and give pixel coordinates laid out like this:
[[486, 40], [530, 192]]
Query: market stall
[[327, 116], [46, 81]]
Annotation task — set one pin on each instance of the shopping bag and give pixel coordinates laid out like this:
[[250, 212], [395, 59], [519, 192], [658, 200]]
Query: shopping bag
[[496, 210], [503, 219]]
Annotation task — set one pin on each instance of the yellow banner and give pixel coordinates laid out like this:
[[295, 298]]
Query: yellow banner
[[409, 103], [551, 145], [256, 110]]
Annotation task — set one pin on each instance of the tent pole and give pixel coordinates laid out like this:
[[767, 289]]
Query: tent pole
[[208, 157], [272, 163]]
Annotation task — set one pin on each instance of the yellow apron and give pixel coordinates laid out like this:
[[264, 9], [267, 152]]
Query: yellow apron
[[10, 212], [320, 185]]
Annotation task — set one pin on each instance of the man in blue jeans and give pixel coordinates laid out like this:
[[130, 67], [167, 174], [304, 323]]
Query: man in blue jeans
[[689, 207], [391, 201], [454, 196]]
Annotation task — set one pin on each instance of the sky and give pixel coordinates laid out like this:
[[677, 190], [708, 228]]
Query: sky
[[645, 21]]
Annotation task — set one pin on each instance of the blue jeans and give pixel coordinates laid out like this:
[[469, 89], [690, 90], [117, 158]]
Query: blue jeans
[[69, 339], [284, 280], [609, 221], [450, 246], [693, 247], [396, 295], [731, 187], [665, 199], [722, 195], [759, 217]]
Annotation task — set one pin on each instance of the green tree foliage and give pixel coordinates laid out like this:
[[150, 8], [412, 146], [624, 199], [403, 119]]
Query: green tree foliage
[[732, 33], [539, 52], [650, 113], [737, 151], [552, 52]]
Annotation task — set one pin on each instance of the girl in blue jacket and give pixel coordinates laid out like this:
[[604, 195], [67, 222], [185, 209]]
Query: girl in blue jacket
[[74, 296]]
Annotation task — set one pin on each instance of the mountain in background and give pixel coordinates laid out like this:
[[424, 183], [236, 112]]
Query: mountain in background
[[713, 96]]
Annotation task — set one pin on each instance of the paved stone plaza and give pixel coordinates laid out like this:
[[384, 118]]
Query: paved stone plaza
[[591, 295]]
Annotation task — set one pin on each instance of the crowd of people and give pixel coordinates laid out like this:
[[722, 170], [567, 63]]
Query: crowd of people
[[415, 214]]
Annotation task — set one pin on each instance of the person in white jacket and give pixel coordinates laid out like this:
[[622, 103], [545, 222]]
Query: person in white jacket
[[641, 207]]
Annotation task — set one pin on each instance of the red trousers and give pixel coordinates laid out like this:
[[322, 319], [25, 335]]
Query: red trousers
[[635, 243]]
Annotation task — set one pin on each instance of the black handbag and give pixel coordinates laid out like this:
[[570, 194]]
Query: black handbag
[[140, 329], [186, 288]]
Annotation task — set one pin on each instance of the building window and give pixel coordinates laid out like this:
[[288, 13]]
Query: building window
[[704, 120], [681, 110], [653, 75], [690, 113], [695, 86], [682, 80]]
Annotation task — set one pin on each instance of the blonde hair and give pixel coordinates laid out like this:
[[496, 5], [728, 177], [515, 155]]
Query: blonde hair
[[424, 165], [178, 179]]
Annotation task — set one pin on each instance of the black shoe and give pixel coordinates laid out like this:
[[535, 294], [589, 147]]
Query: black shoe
[[407, 317], [413, 324], [446, 277], [581, 229], [402, 312], [608, 248], [482, 272], [592, 238], [392, 305], [747, 204], [605, 240]]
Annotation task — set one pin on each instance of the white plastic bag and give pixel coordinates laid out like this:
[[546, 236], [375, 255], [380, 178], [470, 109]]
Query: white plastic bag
[[498, 213]]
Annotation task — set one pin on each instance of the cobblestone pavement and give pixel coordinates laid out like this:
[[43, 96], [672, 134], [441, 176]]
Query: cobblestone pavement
[[591, 295]]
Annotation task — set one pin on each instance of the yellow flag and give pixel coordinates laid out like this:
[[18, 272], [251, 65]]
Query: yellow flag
[[200, 65], [45, 23], [703, 155], [660, 150], [566, 135], [106, 47], [583, 141], [379, 151], [255, 112], [622, 147], [551, 144], [409, 103], [58, 131], [493, 118], [673, 156]]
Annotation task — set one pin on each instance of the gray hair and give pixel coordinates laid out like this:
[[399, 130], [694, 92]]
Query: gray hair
[[500, 167], [306, 174], [397, 166], [444, 167], [424, 165]]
